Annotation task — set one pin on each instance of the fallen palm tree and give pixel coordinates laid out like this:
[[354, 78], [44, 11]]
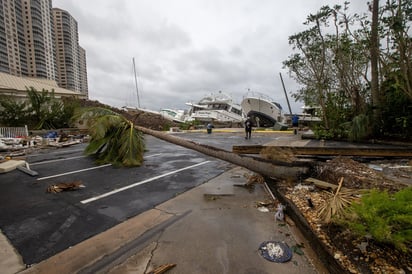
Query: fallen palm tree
[[118, 140], [281, 170]]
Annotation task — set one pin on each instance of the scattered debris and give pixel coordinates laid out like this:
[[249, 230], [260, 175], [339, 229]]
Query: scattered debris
[[212, 197], [321, 184], [247, 186], [279, 215], [56, 188], [336, 203], [298, 249], [255, 179], [263, 209], [162, 269], [357, 176], [26, 169], [278, 153], [266, 203], [10, 165], [273, 251]]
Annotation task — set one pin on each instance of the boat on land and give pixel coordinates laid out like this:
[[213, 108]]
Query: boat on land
[[308, 117], [263, 110], [218, 108], [175, 115]]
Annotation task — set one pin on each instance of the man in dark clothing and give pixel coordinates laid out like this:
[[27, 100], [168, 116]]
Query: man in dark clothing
[[295, 123], [248, 128]]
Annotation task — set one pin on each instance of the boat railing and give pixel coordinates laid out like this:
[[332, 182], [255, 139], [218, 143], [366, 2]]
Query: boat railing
[[259, 96]]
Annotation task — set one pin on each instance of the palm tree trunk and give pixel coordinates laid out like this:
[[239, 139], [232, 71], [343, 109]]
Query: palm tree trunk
[[374, 53], [259, 166]]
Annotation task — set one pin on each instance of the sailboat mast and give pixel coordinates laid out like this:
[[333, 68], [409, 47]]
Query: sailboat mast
[[286, 94], [135, 80]]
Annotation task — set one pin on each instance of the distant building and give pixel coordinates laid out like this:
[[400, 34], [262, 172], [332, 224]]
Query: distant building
[[16, 87], [39, 41], [83, 73]]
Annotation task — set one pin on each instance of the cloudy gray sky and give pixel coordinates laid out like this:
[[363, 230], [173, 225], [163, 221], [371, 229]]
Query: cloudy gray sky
[[185, 49]]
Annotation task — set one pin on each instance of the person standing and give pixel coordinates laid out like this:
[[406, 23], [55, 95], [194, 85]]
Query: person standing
[[209, 128], [295, 123], [248, 128]]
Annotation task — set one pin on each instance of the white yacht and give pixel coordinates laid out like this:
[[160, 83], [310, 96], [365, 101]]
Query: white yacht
[[175, 115], [263, 110], [218, 108]]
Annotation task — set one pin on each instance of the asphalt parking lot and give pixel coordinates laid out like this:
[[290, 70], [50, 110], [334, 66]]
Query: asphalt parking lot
[[40, 224]]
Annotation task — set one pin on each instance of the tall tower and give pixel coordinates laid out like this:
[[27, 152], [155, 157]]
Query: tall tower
[[26, 38], [67, 50], [12, 43], [83, 72]]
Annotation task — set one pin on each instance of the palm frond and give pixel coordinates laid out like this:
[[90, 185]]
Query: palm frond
[[114, 139], [336, 203]]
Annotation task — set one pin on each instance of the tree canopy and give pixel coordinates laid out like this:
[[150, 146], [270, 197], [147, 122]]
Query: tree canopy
[[333, 61]]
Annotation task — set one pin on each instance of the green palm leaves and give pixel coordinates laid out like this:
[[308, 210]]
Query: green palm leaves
[[114, 139]]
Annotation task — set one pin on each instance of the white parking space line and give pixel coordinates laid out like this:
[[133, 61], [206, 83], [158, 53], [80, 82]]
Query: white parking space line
[[56, 160], [56, 152], [139, 183], [72, 172], [77, 157]]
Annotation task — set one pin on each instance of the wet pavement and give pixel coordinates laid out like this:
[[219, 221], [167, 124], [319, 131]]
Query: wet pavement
[[213, 228], [200, 235]]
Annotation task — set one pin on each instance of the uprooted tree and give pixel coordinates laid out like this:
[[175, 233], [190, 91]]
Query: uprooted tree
[[117, 140]]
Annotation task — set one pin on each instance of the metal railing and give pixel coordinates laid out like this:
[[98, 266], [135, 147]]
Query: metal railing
[[14, 132]]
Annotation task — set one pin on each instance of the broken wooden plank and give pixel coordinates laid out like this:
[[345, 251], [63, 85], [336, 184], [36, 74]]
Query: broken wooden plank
[[333, 151], [162, 269], [320, 183]]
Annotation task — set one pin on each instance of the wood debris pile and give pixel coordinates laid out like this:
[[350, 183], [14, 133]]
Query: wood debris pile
[[356, 175], [311, 198]]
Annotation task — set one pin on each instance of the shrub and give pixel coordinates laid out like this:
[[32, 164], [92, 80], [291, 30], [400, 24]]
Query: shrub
[[387, 218]]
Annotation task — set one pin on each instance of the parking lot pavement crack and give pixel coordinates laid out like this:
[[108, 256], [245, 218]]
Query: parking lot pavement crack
[[127, 250], [152, 252], [167, 212]]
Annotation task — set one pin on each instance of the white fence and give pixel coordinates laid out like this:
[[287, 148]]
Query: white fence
[[14, 132]]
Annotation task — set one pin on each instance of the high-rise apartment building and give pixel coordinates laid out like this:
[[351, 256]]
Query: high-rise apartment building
[[83, 72], [67, 50], [13, 58], [37, 40], [27, 45]]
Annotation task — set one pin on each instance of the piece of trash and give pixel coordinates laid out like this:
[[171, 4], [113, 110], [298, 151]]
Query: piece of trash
[[162, 269], [310, 203], [28, 170], [375, 167], [297, 249], [10, 165], [279, 215], [274, 251], [213, 197], [263, 209], [56, 188], [247, 186], [260, 203]]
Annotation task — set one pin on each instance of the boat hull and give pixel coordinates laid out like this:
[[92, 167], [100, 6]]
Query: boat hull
[[263, 113]]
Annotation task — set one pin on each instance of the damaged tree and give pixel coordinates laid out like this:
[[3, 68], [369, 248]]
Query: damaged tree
[[265, 168], [116, 139]]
